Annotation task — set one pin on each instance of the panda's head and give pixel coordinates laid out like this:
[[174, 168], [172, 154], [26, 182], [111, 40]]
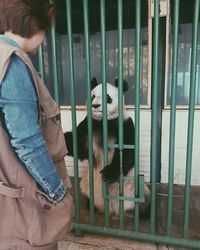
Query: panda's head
[[112, 99]]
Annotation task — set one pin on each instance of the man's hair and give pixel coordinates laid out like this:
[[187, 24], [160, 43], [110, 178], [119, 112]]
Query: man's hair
[[25, 17]]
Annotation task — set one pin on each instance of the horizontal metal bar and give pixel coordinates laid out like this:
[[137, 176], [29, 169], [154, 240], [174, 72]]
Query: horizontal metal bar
[[125, 146], [138, 236], [129, 178], [139, 198], [124, 198]]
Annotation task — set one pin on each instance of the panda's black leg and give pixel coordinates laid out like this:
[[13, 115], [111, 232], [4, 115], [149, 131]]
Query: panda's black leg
[[88, 205], [69, 143], [144, 213], [111, 172]]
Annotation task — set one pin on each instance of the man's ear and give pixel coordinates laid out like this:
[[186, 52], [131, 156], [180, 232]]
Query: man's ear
[[125, 84], [94, 83]]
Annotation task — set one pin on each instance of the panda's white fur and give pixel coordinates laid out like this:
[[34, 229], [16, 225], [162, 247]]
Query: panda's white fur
[[97, 114], [112, 108]]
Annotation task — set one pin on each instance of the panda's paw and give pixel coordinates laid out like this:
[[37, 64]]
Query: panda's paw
[[109, 174]]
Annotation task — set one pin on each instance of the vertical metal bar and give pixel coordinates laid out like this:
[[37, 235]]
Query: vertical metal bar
[[73, 106], [54, 64], [104, 91], [173, 116], [89, 108], [137, 107], [120, 110], [198, 85], [40, 61], [154, 132], [191, 117]]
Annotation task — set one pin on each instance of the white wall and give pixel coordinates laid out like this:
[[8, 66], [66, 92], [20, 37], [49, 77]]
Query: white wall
[[181, 147]]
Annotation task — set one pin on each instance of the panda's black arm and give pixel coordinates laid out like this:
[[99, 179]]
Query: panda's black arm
[[69, 143], [129, 139], [112, 172], [81, 140]]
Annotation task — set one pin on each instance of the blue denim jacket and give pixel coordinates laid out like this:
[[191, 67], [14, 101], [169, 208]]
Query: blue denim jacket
[[19, 106]]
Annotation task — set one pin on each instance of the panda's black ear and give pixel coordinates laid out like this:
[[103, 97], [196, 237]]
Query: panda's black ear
[[125, 84], [94, 83]]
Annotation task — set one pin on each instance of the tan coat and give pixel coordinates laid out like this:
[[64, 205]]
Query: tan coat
[[28, 220]]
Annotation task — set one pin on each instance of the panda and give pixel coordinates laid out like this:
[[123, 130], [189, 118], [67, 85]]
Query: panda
[[111, 172]]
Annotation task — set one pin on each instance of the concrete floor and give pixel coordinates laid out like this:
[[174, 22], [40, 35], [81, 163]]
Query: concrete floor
[[97, 242], [93, 242], [178, 211]]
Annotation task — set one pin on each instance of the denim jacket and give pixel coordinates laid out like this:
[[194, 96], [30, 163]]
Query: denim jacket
[[19, 113]]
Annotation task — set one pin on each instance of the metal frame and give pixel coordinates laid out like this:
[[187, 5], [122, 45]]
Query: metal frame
[[152, 235]]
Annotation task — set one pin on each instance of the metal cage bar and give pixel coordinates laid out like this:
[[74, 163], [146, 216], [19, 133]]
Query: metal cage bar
[[154, 116], [191, 116], [152, 236], [55, 67], [73, 107], [104, 91], [173, 117], [137, 108], [41, 62], [120, 107], [140, 236], [89, 108]]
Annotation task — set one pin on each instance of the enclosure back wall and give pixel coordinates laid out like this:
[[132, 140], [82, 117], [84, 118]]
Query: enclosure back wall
[[159, 56]]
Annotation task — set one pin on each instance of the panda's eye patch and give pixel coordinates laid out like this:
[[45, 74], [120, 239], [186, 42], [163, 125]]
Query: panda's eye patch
[[93, 97], [109, 99]]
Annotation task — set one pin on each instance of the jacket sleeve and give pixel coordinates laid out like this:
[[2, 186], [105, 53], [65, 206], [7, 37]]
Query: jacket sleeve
[[18, 100]]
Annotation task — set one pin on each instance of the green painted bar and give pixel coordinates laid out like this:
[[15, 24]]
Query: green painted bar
[[41, 62], [191, 117], [137, 108], [139, 236], [120, 71], [121, 193], [198, 86], [154, 116], [104, 90], [55, 67], [124, 198], [73, 106], [125, 146], [128, 198], [173, 117], [139, 180], [120, 104], [89, 108]]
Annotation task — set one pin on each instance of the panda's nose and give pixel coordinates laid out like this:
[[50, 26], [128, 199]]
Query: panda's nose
[[95, 106]]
